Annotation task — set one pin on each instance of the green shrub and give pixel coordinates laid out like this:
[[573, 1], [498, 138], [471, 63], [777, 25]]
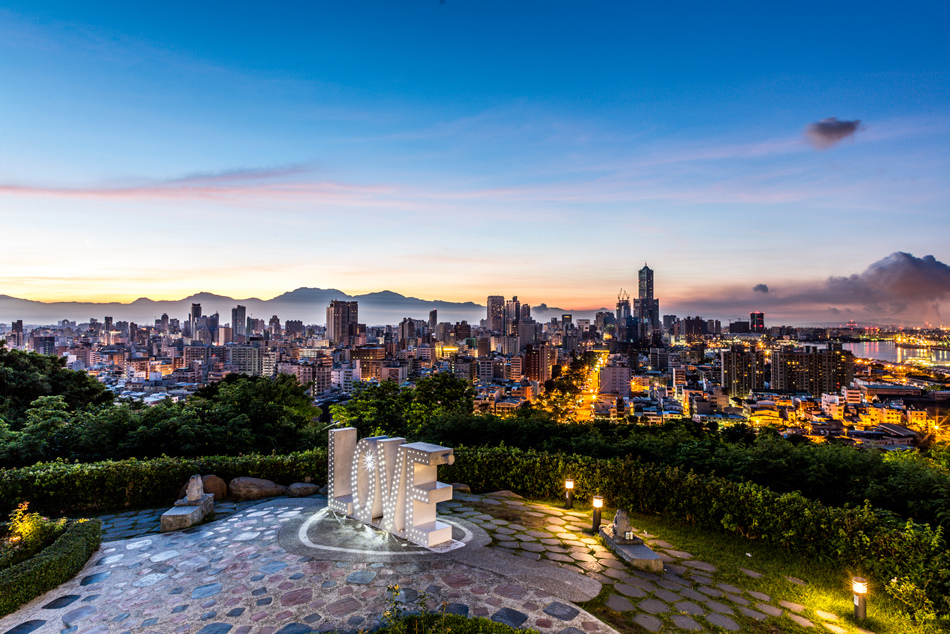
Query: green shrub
[[864, 540], [63, 488], [51, 567], [33, 532]]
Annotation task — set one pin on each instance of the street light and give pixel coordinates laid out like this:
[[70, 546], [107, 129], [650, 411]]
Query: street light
[[598, 504], [859, 585], [569, 494]]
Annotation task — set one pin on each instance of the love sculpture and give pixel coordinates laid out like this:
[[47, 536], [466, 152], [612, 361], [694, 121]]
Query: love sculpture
[[389, 484]]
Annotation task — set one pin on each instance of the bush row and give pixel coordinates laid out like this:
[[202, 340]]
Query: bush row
[[51, 567], [864, 540], [61, 488]]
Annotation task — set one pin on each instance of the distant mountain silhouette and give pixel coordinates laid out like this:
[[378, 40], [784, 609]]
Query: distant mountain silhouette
[[306, 304]]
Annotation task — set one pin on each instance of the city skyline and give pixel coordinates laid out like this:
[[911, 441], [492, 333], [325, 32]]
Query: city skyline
[[766, 159]]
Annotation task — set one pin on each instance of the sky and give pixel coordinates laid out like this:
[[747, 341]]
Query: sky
[[454, 150]]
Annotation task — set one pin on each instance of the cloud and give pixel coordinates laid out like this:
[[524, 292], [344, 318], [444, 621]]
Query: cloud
[[828, 132], [901, 287], [760, 288]]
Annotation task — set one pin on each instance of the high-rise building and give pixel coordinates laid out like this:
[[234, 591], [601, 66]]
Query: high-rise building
[[645, 307], [193, 318], [342, 320], [757, 322], [743, 370], [812, 370], [511, 315], [238, 320], [433, 320], [496, 312]]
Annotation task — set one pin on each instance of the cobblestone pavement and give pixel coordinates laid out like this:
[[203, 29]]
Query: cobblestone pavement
[[232, 576]]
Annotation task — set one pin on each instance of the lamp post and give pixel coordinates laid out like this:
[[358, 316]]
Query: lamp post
[[569, 494], [859, 586], [598, 504]]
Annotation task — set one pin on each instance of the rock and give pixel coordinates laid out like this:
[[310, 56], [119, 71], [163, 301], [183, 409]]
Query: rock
[[182, 517], [458, 487], [324, 489], [621, 523], [302, 490], [254, 488], [215, 485], [195, 489]]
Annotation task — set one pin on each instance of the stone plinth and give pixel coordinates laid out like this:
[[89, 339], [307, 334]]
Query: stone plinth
[[637, 554], [187, 513]]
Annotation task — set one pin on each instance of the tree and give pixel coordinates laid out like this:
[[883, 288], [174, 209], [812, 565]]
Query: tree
[[26, 376]]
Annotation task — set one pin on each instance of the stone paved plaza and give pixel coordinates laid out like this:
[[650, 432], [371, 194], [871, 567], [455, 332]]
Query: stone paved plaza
[[247, 572]]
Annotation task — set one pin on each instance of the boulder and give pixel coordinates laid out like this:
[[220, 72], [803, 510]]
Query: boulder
[[211, 484], [217, 486], [458, 487], [302, 490], [254, 488]]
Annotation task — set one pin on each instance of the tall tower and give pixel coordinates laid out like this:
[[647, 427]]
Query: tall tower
[[646, 282], [647, 308]]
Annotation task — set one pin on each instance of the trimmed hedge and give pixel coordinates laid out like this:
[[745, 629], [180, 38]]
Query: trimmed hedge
[[874, 542], [60, 488], [52, 566]]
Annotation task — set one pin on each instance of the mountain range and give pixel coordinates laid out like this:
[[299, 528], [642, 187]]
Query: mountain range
[[306, 304]]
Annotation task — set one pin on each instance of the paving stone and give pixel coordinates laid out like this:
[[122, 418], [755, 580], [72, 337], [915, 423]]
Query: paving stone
[[725, 587], [61, 602], [529, 555], [666, 595], [771, 610], [828, 616], [834, 628], [509, 617], [457, 608], [361, 577], [750, 573], [796, 581], [794, 607], [689, 607], [686, 623], [630, 591], [561, 611], [648, 622], [96, 578], [689, 593], [643, 584], [215, 628], [679, 554], [618, 604], [74, 616], [715, 606], [737, 599], [801, 620], [722, 621], [760, 596], [713, 592], [653, 606], [206, 590], [700, 565], [533, 547], [758, 616], [343, 607], [559, 557]]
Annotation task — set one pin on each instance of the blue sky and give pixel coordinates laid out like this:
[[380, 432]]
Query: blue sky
[[463, 149]]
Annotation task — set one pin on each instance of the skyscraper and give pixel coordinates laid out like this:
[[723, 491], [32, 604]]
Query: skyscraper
[[193, 318], [496, 312], [646, 308], [239, 320], [342, 319], [433, 320], [512, 314]]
